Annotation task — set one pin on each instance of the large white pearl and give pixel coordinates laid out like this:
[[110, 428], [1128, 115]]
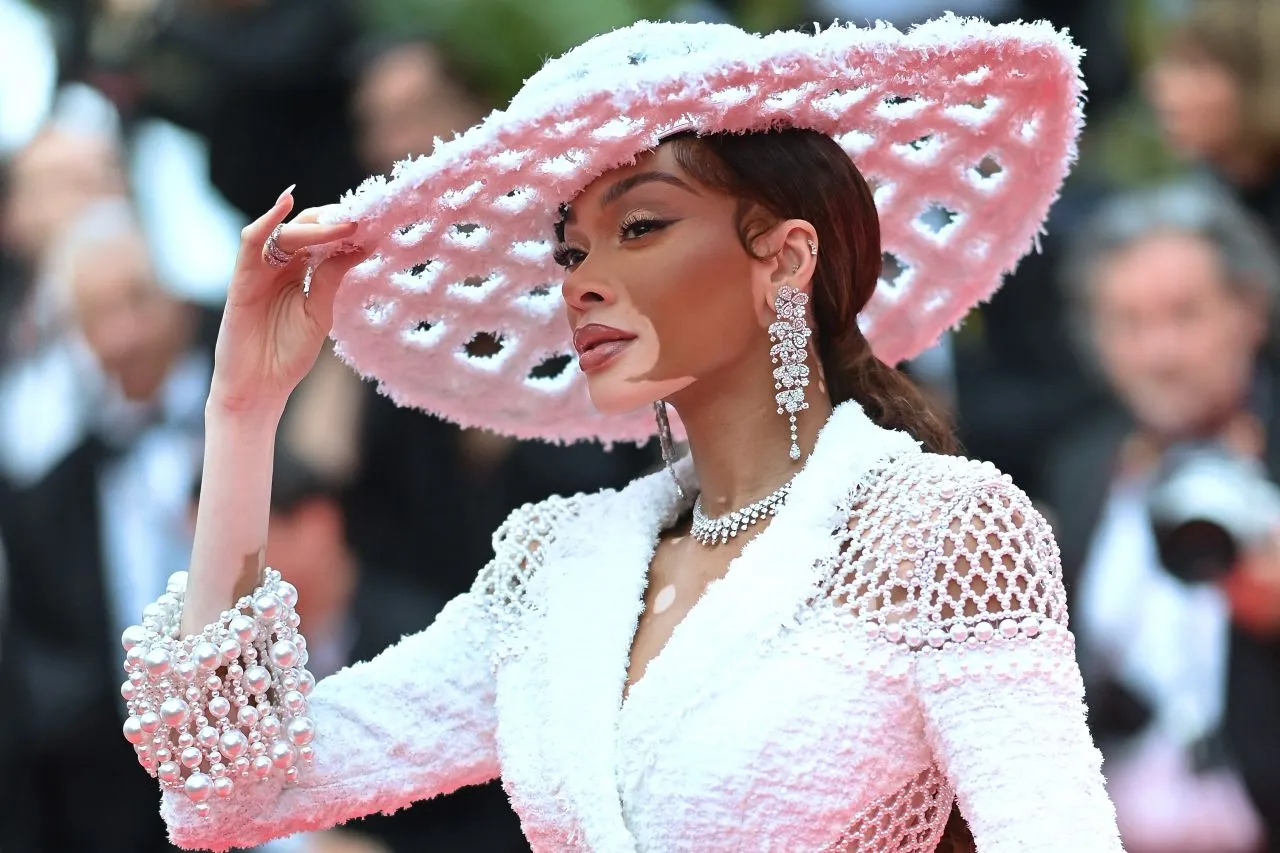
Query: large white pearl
[[234, 743], [150, 722], [244, 629], [300, 731], [306, 682], [174, 712], [282, 755], [191, 757], [284, 653], [266, 606], [207, 737], [257, 679], [219, 706], [198, 787], [169, 772], [247, 716], [133, 659], [270, 726], [132, 636], [133, 731], [289, 593], [293, 701], [230, 650], [223, 787], [206, 655], [177, 584], [261, 766]]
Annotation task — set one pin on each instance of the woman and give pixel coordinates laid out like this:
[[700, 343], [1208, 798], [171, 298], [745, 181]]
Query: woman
[[1216, 90], [808, 634]]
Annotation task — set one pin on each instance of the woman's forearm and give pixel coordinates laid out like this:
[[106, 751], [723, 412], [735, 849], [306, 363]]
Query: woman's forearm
[[229, 551]]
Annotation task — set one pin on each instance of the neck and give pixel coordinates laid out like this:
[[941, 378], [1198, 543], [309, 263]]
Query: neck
[[323, 607], [1244, 168], [739, 443], [1235, 426]]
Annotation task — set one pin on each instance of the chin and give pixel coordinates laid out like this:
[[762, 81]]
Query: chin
[[613, 395]]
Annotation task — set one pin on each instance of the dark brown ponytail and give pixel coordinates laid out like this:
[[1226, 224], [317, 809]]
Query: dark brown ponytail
[[803, 174]]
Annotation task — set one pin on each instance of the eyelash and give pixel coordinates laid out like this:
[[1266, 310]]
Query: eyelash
[[565, 255]]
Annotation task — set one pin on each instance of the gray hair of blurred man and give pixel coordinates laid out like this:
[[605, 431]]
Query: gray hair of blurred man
[[99, 224], [1194, 207]]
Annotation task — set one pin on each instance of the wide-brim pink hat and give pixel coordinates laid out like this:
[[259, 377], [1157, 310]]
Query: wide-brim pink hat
[[965, 129]]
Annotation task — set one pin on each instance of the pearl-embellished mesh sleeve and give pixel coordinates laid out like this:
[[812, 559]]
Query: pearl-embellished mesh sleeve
[[248, 747], [995, 675]]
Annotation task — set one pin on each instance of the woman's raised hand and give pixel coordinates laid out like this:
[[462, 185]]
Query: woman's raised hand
[[272, 331]]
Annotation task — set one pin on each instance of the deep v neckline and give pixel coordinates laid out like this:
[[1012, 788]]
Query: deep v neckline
[[595, 579], [680, 628], [763, 587]]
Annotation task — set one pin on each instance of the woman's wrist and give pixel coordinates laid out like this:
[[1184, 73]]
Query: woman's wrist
[[240, 413]]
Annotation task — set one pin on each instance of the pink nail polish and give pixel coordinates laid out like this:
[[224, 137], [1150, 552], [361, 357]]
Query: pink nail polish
[[287, 191]]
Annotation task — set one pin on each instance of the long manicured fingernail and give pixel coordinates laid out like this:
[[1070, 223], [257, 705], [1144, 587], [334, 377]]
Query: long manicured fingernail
[[287, 191]]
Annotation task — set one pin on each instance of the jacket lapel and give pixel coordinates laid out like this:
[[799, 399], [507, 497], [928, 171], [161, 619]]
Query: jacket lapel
[[595, 596], [596, 576], [765, 587]]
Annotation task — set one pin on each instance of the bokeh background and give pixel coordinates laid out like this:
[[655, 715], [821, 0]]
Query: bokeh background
[[138, 136]]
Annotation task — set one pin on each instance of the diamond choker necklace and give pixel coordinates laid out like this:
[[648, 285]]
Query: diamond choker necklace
[[717, 531]]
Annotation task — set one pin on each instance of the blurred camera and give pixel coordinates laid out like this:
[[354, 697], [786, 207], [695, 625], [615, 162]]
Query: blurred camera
[[1207, 505]]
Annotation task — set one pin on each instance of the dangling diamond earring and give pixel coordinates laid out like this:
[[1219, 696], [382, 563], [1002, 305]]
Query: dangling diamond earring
[[665, 442], [790, 336]]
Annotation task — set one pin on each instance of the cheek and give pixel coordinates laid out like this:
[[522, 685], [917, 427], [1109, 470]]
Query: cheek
[[646, 373], [697, 314]]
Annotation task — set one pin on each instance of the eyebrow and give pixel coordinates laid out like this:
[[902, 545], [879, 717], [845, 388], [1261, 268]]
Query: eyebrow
[[627, 184]]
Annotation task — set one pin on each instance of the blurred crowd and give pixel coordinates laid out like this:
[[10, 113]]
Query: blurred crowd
[[1126, 376]]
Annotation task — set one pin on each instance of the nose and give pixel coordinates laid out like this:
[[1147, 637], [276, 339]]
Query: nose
[[582, 292]]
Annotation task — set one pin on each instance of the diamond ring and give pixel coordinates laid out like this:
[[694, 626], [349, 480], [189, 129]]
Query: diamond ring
[[273, 254]]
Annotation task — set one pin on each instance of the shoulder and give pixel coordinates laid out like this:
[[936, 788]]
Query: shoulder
[[938, 545], [939, 492], [930, 493], [993, 561]]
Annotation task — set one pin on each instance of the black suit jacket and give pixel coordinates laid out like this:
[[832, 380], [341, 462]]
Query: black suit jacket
[[80, 784], [71, 780], [1078, 479]]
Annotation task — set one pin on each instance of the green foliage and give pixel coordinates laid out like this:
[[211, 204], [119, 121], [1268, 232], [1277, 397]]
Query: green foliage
[[503, 42]]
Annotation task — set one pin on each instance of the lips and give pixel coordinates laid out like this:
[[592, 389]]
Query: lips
[[597, 344], [592, 335]]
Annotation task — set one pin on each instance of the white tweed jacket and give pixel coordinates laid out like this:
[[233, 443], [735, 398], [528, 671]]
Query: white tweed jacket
[[896, 637]]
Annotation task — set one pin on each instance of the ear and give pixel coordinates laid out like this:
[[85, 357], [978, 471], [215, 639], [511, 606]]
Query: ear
[[1257, 312], [789, 256]]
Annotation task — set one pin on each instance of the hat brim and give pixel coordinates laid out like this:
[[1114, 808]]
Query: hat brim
[[966, 130]]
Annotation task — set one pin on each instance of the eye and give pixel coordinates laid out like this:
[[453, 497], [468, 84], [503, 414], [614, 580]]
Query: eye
[[568, 257], [638, 225]]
